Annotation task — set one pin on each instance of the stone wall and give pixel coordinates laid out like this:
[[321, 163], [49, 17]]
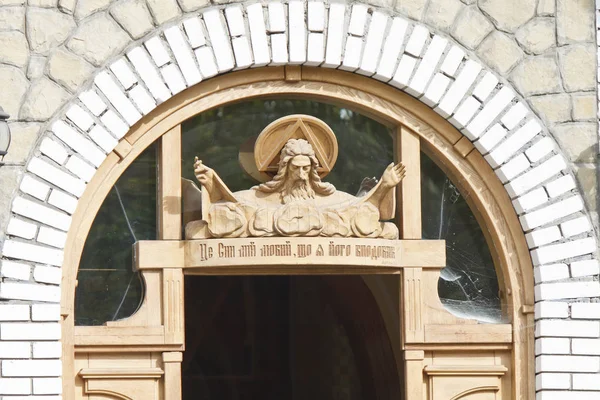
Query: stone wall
[[75, 75]]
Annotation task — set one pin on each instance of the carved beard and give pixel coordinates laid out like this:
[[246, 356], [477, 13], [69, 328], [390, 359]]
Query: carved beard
[[297, 190]]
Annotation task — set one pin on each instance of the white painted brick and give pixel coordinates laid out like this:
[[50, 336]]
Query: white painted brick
[[142, 64], [219, 39], [335, 35], [436, 90], [586, 382], [144, 102], [34, 187], [45, 312], [28, 291], [31, 252], [417, 39], [114, 124], [47, 386], [586, 346], [511, 145], [93, 102], [452, 61], [575, 248], [552, 346], [29, 331], [570, 290], [459, 88], [173, 78], [585, 310], [584, 268], [242, 52], [490, 111], [15, 386], [550, 272], [567, 364], [540, 237], [540, 149], [551, 213], [551, 309], [54, 151], [183, 55], [515, 115], [316, 16], [123, 73], [560, 186], [358, 19], [31, 368], [562, 395], [117, 98], [41, 213], [14, 312], [53, 238], [549, 380], [279, 48], [46, 350], [352, 54], [103, 139], [297, 32], [235, 21], [485, 86], [54, 175], [513, 168], [44, 274], [78, 143], [157, 51], [575, 226], [21, 228], [404, 71], [80, 168], [391, 49], [427, 66], [206, 60], [258, 35], [193, 30], [80, 118], [536, 176], [14, 270], [530, 201], [15, 350], [465, 112], [316, 48], [277, 21], [373, 45]]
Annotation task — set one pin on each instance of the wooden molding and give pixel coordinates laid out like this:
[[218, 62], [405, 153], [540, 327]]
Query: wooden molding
[[465, 370]]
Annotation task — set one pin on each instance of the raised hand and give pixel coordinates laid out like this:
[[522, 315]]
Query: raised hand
[[393, 174], [203, 173]]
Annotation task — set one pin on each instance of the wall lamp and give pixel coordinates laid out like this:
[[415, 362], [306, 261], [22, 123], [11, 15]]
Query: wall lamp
[[4, 133]]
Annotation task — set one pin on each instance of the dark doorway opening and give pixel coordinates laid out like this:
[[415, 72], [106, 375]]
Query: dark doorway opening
[[286, 338]]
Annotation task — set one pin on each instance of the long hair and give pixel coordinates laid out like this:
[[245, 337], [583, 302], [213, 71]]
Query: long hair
[[290, 191]]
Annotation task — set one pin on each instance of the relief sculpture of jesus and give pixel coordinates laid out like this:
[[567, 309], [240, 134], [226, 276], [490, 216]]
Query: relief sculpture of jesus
[[295, 202]]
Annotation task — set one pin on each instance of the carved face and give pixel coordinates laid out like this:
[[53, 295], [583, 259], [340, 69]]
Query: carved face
[[299, 169]]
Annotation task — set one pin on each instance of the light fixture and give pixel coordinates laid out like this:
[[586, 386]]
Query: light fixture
[[4, 133]]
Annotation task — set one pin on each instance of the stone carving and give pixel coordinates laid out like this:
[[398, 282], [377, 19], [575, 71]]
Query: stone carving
[[295, 202]]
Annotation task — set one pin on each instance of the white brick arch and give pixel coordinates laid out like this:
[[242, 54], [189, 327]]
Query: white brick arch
[[356, 38]]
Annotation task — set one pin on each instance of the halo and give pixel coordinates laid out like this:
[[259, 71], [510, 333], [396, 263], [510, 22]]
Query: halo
[[267, 146]]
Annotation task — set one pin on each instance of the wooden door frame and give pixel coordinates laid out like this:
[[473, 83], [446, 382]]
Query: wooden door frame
[[452, 151]]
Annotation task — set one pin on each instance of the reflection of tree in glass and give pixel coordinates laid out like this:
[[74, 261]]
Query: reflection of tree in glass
[[107, 287], [365, 146], [468, 286]]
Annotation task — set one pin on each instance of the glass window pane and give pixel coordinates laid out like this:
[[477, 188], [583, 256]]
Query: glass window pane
[[107, 287], [468, 286]]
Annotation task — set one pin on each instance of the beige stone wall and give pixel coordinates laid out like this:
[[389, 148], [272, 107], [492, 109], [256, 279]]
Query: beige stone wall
[[546, 48]]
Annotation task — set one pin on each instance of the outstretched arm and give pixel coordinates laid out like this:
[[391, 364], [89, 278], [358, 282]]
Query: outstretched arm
[[391, 177], [210, 181]]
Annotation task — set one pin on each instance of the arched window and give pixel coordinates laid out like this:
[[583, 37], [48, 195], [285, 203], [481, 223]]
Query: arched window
[[297, 332]]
